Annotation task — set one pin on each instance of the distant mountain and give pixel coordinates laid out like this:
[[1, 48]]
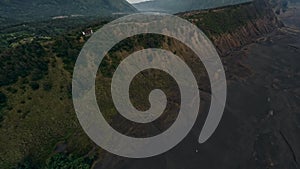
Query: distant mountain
[[174, 6], [25, 10]]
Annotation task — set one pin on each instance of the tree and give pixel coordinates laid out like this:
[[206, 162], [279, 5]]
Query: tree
[[3, 98], [63, 161]]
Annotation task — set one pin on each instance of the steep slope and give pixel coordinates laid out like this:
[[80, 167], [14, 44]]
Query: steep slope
[[281, 6], [43, 9], [232, 27], [174, 6], [39, 102]]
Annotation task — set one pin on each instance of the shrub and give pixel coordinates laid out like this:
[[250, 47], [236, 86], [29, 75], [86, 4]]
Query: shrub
[[12, 90], [34, 85], [62, 161], [27, 163], [47, 86], [3, 98]]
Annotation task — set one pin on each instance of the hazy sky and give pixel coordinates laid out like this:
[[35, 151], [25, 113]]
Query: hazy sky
[[136, 1]]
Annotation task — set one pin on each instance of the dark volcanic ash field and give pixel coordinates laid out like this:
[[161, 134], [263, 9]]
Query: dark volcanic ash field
[[261, 124]]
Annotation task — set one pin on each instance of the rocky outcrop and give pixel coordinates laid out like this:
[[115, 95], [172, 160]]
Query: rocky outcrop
[[246, 34], [239, 24], [254, 28]]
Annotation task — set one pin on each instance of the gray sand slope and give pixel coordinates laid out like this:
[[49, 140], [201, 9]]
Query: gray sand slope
[[261, 125]]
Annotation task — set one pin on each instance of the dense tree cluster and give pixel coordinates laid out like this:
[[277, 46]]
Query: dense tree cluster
[[24, 60], [3, 100]]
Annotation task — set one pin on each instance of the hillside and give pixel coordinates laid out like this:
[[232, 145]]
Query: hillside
[[174, 6], [34, 104], [234, 26], [44, 9], [281, 6]]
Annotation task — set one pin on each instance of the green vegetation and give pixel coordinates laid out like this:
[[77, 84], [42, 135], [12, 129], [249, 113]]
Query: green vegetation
[[35, 95], [68, 47], [34, 85], [59, 161], [27, 164], [31, 10], [22, 61], [37, 84], [63, 161], [36, 64], [174, 6], [128, 46], [3, 100], [47, 86], [23, 33], [225, 20]]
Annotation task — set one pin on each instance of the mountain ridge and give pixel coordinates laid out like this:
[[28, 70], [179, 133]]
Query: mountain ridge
[[45, 9], [175, 6]]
